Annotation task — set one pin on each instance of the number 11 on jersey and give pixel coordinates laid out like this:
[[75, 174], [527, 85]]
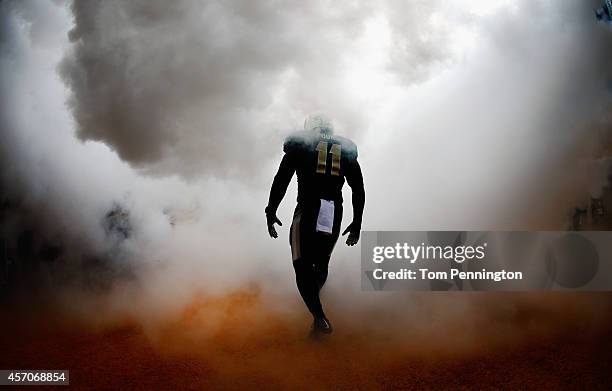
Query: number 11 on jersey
[[336, 150]]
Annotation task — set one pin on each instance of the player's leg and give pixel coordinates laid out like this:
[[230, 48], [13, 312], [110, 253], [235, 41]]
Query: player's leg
[[322, 246], [299, 239], [318, 275], [320, 272], [306, 258], [311, 252], [306, 280]]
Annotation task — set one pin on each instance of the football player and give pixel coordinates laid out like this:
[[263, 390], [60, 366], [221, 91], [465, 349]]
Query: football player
[[322, 161]]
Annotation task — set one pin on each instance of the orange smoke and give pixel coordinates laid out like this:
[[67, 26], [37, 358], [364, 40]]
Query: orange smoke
[[238, 340]]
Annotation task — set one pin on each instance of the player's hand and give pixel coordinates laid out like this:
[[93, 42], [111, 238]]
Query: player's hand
[[353, 237], [272, 219]]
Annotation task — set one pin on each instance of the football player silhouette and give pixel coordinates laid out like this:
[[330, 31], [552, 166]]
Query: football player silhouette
[[322, 161]]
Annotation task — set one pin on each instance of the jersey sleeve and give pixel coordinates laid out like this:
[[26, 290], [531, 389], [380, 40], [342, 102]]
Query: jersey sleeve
[[294, 142], [349, 149], [281, 182]]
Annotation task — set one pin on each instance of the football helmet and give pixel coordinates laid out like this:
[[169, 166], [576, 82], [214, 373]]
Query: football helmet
[[320, 123]]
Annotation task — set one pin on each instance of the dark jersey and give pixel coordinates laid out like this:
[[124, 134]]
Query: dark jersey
[[322, 163]]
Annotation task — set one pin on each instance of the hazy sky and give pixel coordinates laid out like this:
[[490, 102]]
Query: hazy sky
[[467, 115]]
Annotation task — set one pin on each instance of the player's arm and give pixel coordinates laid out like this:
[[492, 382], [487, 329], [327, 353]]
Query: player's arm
[[354, 178], [277, 192]]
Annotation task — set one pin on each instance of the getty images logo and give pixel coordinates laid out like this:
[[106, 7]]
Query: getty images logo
[[547, 260]]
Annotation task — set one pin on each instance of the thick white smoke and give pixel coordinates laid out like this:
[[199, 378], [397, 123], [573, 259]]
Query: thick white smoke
[[463, 120]]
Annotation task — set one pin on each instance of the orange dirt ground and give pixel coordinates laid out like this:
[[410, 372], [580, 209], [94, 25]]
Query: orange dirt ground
[[246, 348]]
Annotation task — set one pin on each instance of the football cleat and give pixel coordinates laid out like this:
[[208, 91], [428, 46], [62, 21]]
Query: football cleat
[[322, 325]]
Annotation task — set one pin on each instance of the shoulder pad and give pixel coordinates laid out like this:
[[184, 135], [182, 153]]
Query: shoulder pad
[[306, 139], [347, 146], [295, 141]]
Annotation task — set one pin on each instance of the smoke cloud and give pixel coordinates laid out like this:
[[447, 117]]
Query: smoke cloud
[[191, 88], [466, 117]]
